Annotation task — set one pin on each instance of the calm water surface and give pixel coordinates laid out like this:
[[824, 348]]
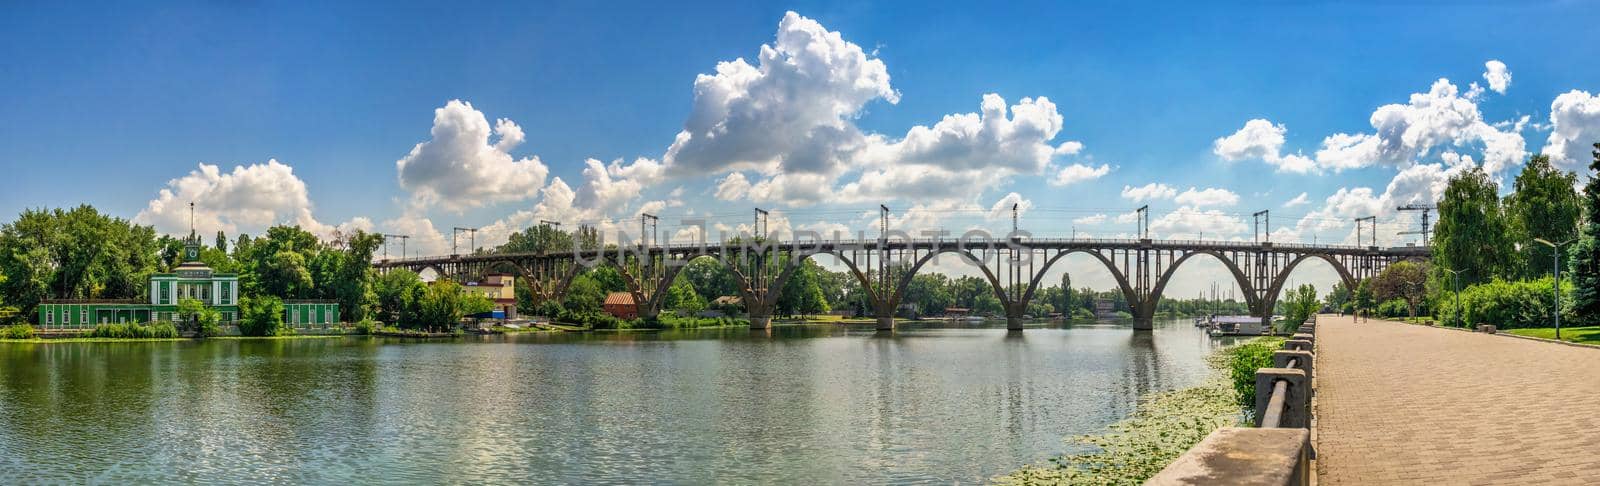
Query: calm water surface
[[800, 404]]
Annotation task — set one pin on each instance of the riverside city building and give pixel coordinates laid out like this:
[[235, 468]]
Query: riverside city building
[[192, 279]]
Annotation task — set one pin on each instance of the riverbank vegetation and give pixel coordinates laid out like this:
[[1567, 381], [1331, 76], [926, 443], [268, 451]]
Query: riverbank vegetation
[[154, 330], [1162, 427], [17, 331]]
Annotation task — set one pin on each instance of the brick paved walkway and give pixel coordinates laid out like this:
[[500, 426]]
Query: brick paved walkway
[[1406, 404]]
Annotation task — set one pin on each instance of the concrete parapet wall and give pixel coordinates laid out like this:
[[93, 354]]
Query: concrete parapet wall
[[1242, 457], [1279, 455]]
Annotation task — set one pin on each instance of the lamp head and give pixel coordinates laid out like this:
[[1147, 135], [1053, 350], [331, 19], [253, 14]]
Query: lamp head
[[1544, 242]]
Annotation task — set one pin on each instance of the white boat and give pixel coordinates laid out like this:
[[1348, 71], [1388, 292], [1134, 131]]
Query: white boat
[[1237, 326]]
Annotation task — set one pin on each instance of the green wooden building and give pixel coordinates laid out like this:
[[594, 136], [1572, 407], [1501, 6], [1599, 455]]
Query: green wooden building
[[192, 279]]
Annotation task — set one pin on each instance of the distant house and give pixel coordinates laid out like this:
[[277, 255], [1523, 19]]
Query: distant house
[[727, 305], [1105, 308], [501, 289], [621, 306], [957, 311], [908, 311]]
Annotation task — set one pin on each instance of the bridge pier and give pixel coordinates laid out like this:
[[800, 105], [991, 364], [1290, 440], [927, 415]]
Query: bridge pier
[[1144, 314], [1144, 324], [1013, 323], [885, 323], [760, 322]]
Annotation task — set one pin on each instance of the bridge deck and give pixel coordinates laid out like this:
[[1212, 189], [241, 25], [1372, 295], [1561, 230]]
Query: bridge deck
[[1406, 404], [925, 244]]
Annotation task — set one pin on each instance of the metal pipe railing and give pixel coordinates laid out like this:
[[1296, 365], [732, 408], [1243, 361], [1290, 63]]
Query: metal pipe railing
[[1280, 395]]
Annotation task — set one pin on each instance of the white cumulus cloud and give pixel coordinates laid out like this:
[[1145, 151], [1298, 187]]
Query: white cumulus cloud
[[791, 111], [1574, 128], [1404, 134], [1497, 75], [249, 198], [986, 140], [1076, 173], [1261, 139], [1148, 192], [458, 168], [1213, 196]]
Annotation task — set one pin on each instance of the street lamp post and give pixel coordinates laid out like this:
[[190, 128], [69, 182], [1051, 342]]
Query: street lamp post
[[1555, 271], [1455, 281]]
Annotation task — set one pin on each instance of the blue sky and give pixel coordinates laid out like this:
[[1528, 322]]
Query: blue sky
[[111, 104]]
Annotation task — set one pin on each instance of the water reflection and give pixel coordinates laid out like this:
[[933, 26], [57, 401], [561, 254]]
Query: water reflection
[[929, 403]]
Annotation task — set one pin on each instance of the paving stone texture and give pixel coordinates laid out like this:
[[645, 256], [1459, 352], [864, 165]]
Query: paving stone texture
[[1407, 404]]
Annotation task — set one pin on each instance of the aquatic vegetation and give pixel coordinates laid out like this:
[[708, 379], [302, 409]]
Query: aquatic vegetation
[[1162, 427]]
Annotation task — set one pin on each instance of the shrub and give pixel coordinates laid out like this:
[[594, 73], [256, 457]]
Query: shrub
[[208, 323], [366, 326], [260, 316], [678, 322], [158, 330], [1507, 305], [18, 331], [1244, 360], [1393, 308]]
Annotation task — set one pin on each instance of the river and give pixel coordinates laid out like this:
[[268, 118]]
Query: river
[[797, 404]]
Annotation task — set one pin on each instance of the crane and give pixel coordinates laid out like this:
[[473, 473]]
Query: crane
[[1426, 210]]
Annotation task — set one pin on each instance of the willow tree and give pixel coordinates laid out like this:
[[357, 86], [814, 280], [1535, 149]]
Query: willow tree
[[1584, 259], [1473, 235], [1544, 206]]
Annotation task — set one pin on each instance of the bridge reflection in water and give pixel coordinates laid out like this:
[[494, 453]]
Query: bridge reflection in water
[[1014, 268]]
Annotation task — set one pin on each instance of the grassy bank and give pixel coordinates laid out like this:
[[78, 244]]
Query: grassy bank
[[1162, 427], [1582, 335]]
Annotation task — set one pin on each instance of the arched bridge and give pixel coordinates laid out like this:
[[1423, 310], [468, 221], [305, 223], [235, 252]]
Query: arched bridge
[[1013, 267]]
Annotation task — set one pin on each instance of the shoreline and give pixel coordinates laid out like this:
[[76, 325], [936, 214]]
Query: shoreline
[[1162, 426], [154, 340]]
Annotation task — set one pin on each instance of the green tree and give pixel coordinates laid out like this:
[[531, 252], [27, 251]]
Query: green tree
[[393, 291], [442, 306], [475, 302], [710, 278], [1065, 302], [1584, 256], [541, 238], [1407, 281], [987, 304], [1544, 206], [930, 292], [802, 294], [285, 275], [352, 281], [279, 263], [1363, 296], [681, 296], [584, 295], [609, 279], [1300, 305], [261, 316], [1473, 236], [74, 254], [1340, 294], [208, 323], [189, 311]]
